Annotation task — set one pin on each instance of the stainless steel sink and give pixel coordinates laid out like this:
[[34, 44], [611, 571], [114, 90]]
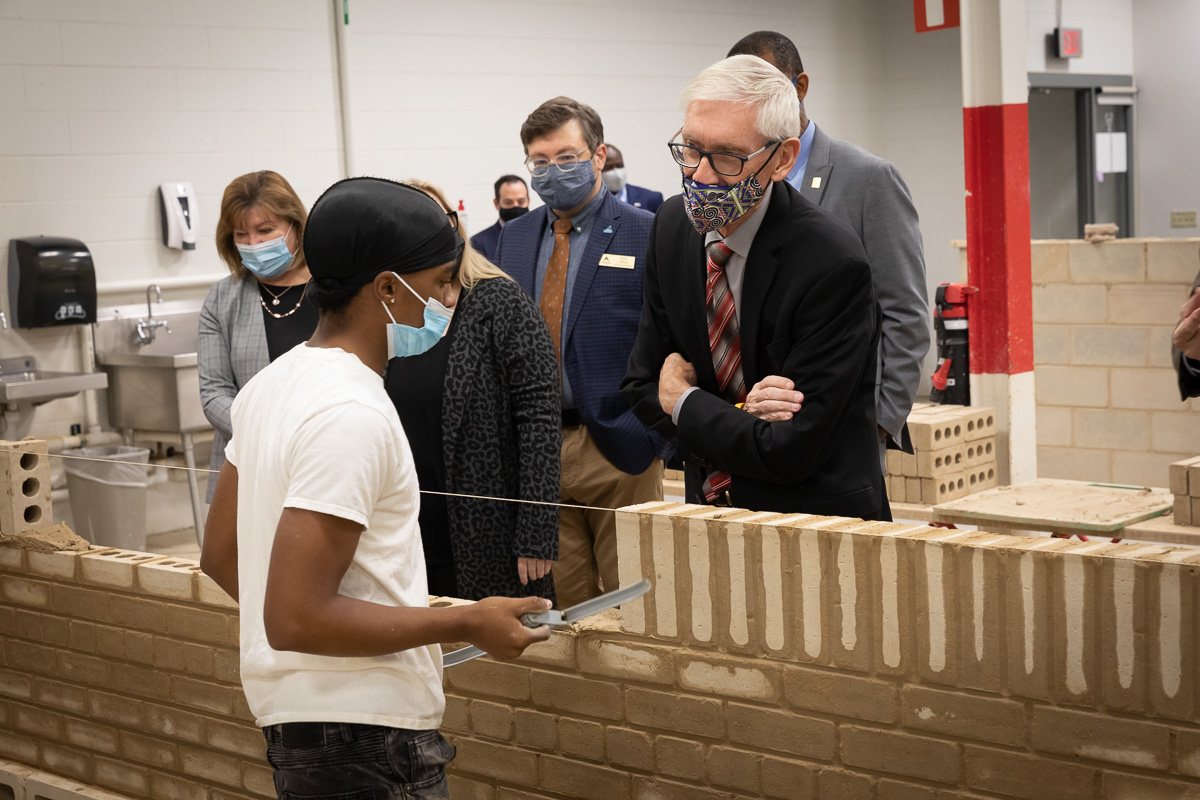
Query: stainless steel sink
[[153, 385], [22, 382]]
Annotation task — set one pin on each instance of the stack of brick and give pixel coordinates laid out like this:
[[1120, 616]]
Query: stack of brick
[[955, 455], [1185, 484]]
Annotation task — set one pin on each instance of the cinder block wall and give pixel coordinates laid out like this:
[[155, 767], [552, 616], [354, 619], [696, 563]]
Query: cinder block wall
[[776, 657]]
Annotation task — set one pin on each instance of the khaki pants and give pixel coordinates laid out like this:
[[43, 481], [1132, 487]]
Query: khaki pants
[[587, 540]]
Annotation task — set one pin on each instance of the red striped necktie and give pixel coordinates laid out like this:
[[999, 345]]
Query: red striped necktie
[[726, 347]]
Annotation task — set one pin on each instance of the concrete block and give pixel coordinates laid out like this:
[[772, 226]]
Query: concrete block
[[1174, 432], [1075, 464], [1119, 261], [1116, 430], [1050, 262], [24, 486], [1071, 386], [1074, 600], [1141, 468], [1147, 389], [1052, 344], [1172, 261], [1144, 305], [1160, 346], [12, 780], [1172, 633], [1110, 346], [1059, 304]]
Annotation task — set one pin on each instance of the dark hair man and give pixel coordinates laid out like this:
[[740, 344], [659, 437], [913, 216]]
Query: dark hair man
[[745, 279], [615, 177], [868, 194], [583, 259], [511, 201]]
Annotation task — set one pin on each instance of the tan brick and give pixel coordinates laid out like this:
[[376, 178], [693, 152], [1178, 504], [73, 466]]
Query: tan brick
[[226, 666], [729, 677], [694, 715], [1115, 430], [1061, 303], [61, 696], [535, 729], [258, 778], [148, 750], [83, 668], [1119, 261], [629, 748], [499, 762], [490, 679], [170, 787], [837, 784], [581, 738], [1183, 510], [24, 592], [470, 790], [936, 432], [583, 781], [31, 657], [491, 720], [1143, 305], [1174, 432], [900, 754], [26, 625], [1100, 738], [733, 769], [203, 694], [834, 692], [138, 647], [505, 793], [657, 789], [82, 636], [679, 758], [1050, 262], [912, 489], [210, 594], [1071, 386], [1147, 389], [19, 687], [112, 568], [1030, 777], [626, 661], [1187, 752], [61, 565], [238, 739], [1160, 345], [1119, 786], [788, 780], [109, 641], [1171, 261], [121, 776], [932, 463], [37, 721], [1110, 346], [139, 613], [18, 747], [1141, 468], [780, 731], [963, 715], [210, 766], [173, 578], [456, 717], [115, 709], [1052, 344], [11, 558], [1075, 464], [576, 695], [90, 736], [202, 626], [66, 761], [897, 790], [557, 651]]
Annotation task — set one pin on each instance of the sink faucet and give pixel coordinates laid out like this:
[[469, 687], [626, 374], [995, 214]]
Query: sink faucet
[[146, 327]]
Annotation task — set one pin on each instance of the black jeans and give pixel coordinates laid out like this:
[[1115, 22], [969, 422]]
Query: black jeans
[[344, 761]]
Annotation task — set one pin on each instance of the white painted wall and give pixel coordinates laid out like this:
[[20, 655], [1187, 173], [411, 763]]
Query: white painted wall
[[1106, 24], [1166, 65]]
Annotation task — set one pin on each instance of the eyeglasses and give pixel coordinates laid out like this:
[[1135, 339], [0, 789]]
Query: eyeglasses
[[726, 164], [453, 217], [566, 163]]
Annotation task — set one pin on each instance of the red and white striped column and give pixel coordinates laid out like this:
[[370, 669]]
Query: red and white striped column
[[996, 147]]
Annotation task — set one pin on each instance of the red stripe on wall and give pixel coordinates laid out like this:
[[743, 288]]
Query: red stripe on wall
[[996, 146]]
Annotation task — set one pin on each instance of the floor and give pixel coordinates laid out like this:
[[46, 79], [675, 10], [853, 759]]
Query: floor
[[180, 543]]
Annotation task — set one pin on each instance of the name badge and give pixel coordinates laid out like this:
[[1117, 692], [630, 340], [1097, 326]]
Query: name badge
[[620, 262]]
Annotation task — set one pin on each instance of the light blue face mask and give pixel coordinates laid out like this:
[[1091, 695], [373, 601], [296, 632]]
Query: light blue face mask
[[405, 340], [269, 259]]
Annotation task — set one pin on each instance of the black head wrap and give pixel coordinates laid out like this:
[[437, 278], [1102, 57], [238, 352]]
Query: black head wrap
[[361, 227]]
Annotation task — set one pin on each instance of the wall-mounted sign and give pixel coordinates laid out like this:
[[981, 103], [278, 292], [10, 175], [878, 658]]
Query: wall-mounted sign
[[935, 15], [1068, 42]]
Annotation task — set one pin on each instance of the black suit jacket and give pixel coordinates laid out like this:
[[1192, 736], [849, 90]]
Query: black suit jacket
[[1189, 384], [809, 313], [487, 240]]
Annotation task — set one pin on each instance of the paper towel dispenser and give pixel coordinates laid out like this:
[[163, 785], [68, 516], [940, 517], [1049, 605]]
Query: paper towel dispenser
[[177, 210], [51, 281]]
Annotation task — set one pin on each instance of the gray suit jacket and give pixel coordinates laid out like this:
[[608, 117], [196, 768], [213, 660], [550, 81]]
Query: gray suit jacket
[[867, 193], [232, 349], [1189, 382]]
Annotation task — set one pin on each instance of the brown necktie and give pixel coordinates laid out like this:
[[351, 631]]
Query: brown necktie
[[554, 285]]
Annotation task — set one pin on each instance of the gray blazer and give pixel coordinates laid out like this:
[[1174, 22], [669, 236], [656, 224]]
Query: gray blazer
[[232, 349], [867, 193]]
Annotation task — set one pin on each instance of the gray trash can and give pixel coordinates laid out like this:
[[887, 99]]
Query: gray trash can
[[108, 498]]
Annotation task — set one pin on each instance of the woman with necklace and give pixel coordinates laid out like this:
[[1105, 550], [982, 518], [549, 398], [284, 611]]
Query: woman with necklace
[[261, 310]]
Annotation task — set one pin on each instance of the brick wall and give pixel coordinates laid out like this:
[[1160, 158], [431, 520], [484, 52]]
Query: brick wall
[[776, 657], [1108, 406]]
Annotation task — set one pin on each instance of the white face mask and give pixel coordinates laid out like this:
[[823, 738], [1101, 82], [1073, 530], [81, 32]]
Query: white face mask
[[405, 340], [614, 179]]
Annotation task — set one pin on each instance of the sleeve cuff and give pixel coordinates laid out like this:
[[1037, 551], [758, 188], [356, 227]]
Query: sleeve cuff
[[1191, 365], [679, 404]]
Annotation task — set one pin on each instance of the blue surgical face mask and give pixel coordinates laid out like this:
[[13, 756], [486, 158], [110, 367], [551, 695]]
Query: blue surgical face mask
[[563, 191], [268, 259], [405, 340]]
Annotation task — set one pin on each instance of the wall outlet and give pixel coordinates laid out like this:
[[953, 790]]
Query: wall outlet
[[1183, 219]]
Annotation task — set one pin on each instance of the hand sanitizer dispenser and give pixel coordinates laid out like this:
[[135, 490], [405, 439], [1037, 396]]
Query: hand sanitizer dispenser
[[178, 209]]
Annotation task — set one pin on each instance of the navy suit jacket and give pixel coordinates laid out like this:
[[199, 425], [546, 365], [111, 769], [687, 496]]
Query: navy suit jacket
[[602, 322], [638, 197], [487, 240]]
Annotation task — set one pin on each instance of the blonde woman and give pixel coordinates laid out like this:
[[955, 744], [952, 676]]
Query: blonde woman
[[261, 310], [481, 410]]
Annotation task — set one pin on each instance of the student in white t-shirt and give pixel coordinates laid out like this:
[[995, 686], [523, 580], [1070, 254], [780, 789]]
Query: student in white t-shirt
[[313, 526]]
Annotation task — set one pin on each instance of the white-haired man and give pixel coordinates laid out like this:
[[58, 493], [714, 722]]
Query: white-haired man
[[746, 279]]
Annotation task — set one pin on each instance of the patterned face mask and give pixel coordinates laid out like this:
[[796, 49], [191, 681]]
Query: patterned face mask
[[712, 207]]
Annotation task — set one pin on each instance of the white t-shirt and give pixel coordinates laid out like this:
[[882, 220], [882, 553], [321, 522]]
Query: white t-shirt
[[316, 430]]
